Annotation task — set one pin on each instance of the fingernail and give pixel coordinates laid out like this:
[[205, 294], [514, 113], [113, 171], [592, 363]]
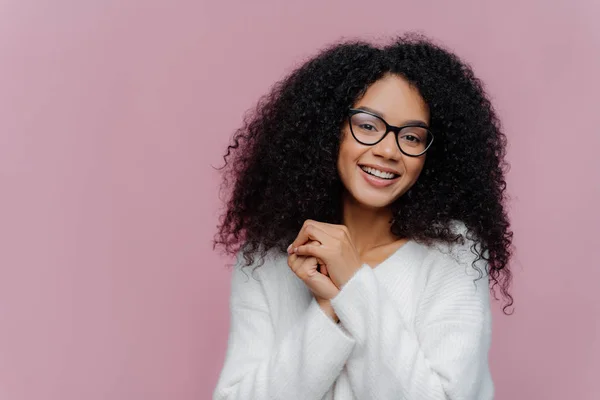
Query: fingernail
[[288, 249]]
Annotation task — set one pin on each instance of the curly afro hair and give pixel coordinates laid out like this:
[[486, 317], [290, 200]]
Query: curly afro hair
[[280, 168]]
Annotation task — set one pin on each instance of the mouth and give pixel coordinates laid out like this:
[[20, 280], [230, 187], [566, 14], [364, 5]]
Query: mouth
[[378, 178], [386, 175]]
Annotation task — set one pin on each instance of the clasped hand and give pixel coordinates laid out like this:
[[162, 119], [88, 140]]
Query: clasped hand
[[329, 246]]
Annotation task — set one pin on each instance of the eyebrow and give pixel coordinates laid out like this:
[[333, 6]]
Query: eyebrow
[[409, 122]]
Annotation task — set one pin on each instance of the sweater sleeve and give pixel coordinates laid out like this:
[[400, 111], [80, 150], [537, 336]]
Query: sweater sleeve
[[443, 355], [303, 364]]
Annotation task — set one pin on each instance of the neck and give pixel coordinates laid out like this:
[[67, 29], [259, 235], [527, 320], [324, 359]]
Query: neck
[[368, 227]]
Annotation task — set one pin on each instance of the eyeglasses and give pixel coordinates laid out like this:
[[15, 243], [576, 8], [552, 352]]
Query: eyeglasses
[[413, 139]]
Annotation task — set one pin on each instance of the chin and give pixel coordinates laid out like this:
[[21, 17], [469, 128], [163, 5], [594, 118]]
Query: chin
[[374, 201]]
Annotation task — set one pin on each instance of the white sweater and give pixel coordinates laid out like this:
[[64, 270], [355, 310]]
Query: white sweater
[[416, 327]]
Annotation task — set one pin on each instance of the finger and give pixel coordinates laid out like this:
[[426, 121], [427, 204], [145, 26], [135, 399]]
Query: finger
[[320, 264], [321, 286], [332, 229], [311, 250], [315, 242], [293, 259], [300, 265], [309, 232], [293, 262], [306, 267]]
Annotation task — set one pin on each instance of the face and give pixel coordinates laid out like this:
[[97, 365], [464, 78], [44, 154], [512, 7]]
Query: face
[[398, 103]]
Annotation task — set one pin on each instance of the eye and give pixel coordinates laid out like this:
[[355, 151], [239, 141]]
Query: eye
[[411, 138], [367, 127]]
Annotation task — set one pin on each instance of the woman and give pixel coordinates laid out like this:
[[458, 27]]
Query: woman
[[368, 199]]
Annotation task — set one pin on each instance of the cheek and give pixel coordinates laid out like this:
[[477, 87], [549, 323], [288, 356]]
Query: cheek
[[343, 163], [414, 166], [347, 155], [350, 148]]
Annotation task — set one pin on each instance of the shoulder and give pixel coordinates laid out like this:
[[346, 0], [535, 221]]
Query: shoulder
[[260, 265], [272, 266], [457, 264], [250, 283], [457, 283]]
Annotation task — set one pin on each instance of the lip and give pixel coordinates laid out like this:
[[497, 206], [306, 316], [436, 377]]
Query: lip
[[380, 168], [375, 181]]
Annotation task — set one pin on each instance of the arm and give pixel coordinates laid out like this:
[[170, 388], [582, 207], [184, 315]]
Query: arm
[[302, 365], [444, 356]]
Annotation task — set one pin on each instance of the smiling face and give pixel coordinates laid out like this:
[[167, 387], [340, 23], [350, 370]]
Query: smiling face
[[398, 103]]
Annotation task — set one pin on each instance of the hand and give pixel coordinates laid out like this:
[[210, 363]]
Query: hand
[[324, 303], [334, 247], [305, 267], [327, 308]]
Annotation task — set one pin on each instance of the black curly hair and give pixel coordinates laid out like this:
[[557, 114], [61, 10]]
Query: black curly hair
[[281, 166]]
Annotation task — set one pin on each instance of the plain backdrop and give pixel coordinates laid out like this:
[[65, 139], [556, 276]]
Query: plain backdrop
[[113, 111]]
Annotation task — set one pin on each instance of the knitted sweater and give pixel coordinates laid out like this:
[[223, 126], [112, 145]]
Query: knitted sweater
[[416, 327]]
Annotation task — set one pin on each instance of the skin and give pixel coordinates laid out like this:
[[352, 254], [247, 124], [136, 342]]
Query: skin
[[364, 236]]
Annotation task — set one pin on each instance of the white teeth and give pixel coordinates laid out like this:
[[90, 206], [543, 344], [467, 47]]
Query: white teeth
[[377, 173]]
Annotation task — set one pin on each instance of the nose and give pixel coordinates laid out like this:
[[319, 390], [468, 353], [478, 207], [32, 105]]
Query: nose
[[387, 148]]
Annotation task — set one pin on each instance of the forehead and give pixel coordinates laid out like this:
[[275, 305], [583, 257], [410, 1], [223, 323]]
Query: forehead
[[394, 99]]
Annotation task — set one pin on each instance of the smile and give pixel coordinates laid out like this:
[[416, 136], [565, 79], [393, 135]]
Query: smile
[[378, 173], [378, 178]]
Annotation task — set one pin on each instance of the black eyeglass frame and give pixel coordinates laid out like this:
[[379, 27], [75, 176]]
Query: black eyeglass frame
[[389, 128]]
